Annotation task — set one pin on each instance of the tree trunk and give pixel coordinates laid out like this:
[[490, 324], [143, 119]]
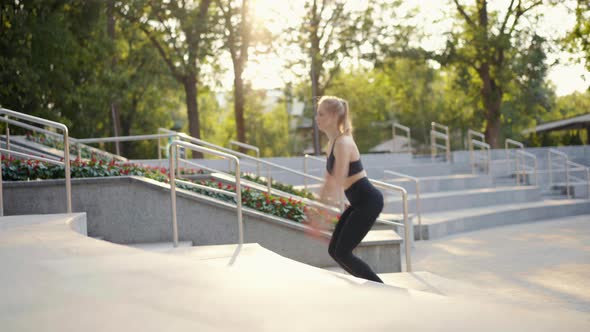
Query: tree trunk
[[315, 73], [492, 99], [114, 109], [192, 108], [239, 106]]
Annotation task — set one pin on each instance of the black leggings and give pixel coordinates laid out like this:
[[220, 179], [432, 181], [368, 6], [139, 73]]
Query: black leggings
[[366, 203]]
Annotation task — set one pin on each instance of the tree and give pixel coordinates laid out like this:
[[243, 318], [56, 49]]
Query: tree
[[328, 34], [486, 45], [578, 40], [181, 31], [239, 35]]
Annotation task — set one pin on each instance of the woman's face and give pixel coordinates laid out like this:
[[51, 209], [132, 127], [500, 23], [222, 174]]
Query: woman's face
[[325, 119]]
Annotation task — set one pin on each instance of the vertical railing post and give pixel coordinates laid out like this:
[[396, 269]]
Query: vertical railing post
[[172, 177], [268, 179], [392, 137], [432, 147], [67, 169], [1, 198], [567, 178], [409, 141], [407, 232], [471, 154], [448, 143], [305, 171], [418, 208], [8, 140], [550, 170], [239, 200]]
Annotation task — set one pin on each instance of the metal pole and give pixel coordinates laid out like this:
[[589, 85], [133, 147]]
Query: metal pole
[[392, 136], [409, 142], [305, 171], [67, 170], [1, 198], [517, 163], [159, 148], [172, 178], [258, 162], [587, 183], [432, 147], [471, 154], [448, 147], [536, 174], [8, 139], [418, 208], [489, 161], [567, 178], [550, 171], [239, 201], [407, 226], [268, 179]]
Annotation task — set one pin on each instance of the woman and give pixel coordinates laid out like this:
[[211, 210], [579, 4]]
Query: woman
[[344, 171]]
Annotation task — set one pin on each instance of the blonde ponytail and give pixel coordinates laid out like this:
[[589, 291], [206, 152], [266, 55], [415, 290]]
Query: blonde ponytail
[[340, 106]]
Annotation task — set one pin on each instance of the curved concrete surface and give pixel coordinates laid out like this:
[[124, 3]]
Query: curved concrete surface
[[55, 278]]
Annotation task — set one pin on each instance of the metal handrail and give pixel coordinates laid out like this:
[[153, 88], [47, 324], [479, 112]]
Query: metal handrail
[[407, 237], [122, 138], [524, 154], [53, 124], [245, 156], [471, 133], [418, 204], [250, 147], [512, 142], [488, 155], [434, 135], [404, 193], [567, 179], [581, 167], [73, 141], [305, 166], [238, 194], [404, 128]]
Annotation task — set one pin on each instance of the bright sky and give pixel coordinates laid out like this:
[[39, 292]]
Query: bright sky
[[266, 71]]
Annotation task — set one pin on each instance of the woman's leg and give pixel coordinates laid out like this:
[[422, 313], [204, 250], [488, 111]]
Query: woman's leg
[[356, 226], [336, 235]]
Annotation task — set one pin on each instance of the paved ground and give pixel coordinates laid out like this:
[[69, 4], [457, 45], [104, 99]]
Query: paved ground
[[546, 262], [54, 279]]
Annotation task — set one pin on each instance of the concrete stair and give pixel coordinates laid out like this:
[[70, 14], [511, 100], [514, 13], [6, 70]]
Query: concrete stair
[[444, 223], [161, 246], [465, 199], [443, 182]]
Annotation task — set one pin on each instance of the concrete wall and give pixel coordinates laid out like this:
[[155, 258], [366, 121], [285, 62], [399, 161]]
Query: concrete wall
[[136, 210]]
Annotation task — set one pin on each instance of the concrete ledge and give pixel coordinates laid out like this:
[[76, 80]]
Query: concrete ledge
[[443, 182], [464, 199], [442, 224], [130, 210]]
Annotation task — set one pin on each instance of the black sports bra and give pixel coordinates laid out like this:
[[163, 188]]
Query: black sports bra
[[353, 168]]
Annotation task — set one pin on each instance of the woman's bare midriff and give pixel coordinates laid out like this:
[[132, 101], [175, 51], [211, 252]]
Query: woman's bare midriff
[[352, 179]]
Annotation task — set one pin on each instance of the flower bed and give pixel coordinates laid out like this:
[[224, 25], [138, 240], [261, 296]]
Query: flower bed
[[278, 185], [14, 169]]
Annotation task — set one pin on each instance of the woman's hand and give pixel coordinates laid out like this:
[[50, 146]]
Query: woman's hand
[[316, 222]]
